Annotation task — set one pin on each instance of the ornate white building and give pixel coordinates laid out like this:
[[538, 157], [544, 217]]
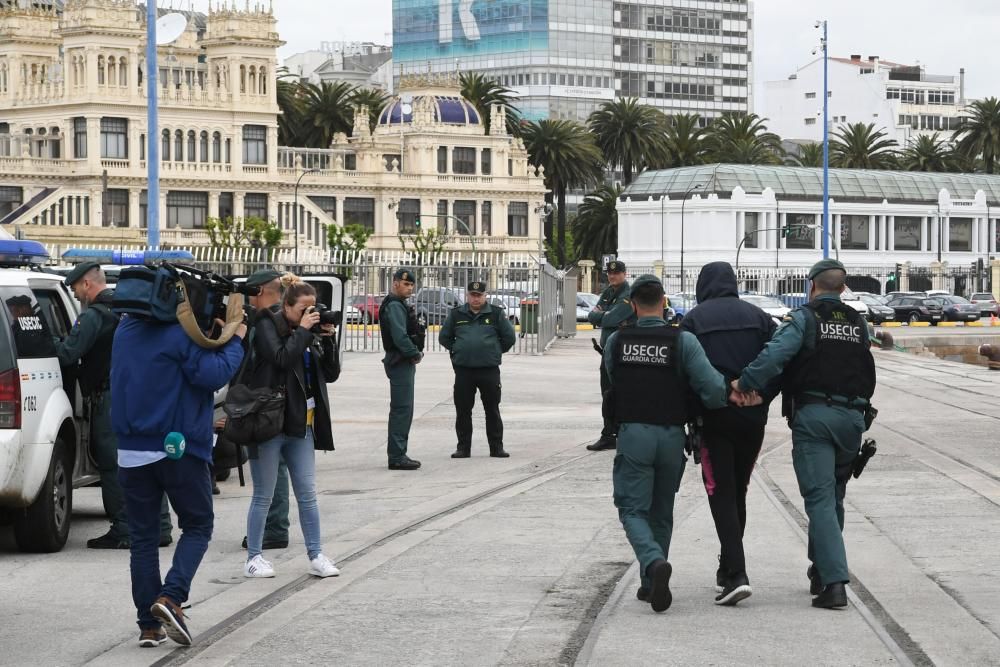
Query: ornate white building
[[73, 107]]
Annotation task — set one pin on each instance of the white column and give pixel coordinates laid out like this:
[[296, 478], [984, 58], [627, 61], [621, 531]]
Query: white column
[[945, 234], [213, 204], [992, 235], [741, 227], [974, 235], [924, 224], [872, 227], [783, 217], [837, 222], [134, 212], [818, 234], [340, 211], [890, 243]]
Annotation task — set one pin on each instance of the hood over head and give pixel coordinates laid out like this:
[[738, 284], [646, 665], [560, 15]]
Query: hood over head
[[717, 279]]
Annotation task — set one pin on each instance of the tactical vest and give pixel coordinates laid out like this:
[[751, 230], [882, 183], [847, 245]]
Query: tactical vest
[[95, 365], [839, 362], [648, 388], [415, 331]]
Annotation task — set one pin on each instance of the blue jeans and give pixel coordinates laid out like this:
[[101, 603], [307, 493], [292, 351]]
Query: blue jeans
[[188, 484], [300, 457]]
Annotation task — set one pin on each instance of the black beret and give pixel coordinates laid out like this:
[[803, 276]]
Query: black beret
[[79, 271], [262, 277], [406, 275]]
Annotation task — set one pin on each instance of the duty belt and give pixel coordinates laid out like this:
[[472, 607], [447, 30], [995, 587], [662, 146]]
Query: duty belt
[[809, 399]]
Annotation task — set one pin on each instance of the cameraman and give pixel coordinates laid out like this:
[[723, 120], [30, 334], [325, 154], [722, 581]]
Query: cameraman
[[181, 400], [287, 352]]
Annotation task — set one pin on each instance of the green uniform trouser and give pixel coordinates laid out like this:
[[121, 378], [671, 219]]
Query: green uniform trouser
[[649, 465], [825, 442], [276, 527], [104, 446], [401, 378]]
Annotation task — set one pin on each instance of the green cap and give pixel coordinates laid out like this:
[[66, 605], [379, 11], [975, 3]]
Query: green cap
[[477, 286], [79, 271], [615, 266], [262, 277], [406, 275], [825, 265], [644, 279]]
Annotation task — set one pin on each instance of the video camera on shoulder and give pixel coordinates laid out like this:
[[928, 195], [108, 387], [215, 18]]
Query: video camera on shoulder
[[326, 316]]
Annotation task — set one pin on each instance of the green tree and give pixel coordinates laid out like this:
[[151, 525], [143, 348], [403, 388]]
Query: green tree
[[372, 98], [570, 158], [484, 92], [810, 155], [425, 242], [249, 232], [927, 153], [347, 239], [978, 134], [630, 135], [290, 120], [327, 109], [595, 229], [861, 146], [742, 138], [685, 145]]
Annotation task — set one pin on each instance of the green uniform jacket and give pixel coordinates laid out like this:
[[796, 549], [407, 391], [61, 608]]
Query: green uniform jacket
[[88, 330], [394, 317], [615, 310], [477, 340], [694, 367], [786, 343]]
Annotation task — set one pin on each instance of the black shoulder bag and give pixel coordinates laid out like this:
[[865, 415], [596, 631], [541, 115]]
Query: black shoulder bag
[[253, 415]]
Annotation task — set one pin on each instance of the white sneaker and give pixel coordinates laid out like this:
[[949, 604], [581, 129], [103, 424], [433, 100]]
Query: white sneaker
[[258, 567], [321, 566]]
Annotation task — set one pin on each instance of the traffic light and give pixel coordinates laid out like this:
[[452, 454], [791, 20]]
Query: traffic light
[[785, 231], [416, 223]]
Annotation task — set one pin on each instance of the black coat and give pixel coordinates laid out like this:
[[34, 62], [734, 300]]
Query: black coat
[[277, 362]]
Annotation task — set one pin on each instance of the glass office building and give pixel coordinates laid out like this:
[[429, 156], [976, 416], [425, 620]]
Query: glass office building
[[566, 57]]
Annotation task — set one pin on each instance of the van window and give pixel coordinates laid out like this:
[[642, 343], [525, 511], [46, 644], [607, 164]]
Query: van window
[[28, 328], [53, 310]]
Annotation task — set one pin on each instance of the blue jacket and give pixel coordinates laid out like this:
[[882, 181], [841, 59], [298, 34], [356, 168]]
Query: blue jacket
[[162, 381]]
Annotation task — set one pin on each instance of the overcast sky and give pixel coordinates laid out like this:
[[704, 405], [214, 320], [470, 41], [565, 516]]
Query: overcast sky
[[943, 35]]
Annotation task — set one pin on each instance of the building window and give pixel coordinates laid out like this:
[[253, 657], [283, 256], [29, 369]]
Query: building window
[[810, 96], [442, 160], [486, 218], [408, 214], [114, 138], [463, 161], [187, 210], [178, 146], [165, 147], [328, 204], [254, 144], [442, 216], [226, 205], [116, 208], [359, 211], [216, 147], [388, 158], [255, 205], [11, 197], [810, 121], [960, 235], [906, 232], [801, 231], [80, 138], [204, 146], [486, 162], [466, 212], [517, 218], [143, 209], [192, 153], [854, 232], [751, 227]]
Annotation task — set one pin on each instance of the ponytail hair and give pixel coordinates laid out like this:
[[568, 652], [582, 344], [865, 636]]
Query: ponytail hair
[[294, 287]]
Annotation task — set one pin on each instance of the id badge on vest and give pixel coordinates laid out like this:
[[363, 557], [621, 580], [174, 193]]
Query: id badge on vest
[[310, 410]]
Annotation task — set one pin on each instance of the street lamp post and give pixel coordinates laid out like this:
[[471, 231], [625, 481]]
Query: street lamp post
[[295, 212], [152, 132], [683, 202], [826, 142]]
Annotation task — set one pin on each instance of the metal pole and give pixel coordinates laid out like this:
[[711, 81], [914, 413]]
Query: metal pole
[[152, 132], [663, 198], [295, 212], [826, 148], [684, 201]]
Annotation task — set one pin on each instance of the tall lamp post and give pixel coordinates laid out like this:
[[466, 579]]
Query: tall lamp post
[[295, 213], [152, 132], [826, 141], [683, 202]]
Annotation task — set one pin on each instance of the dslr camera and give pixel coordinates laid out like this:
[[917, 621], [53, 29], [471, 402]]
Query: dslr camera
[[326, 316]]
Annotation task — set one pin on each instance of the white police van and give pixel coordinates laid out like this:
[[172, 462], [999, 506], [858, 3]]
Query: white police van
[[43, 435]]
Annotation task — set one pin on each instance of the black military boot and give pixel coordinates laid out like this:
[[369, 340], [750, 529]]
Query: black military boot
[[815, 583], [659, 572], [460, 453], [832, 596], [499, 452], [406, 463], [606, 442]]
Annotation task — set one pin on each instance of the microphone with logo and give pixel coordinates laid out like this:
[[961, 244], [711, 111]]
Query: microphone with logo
[[174, 445]]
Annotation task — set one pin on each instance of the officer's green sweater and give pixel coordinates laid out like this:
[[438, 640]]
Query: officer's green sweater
[[90, 326], [784, 345], [615, 310], [707, 383], [394, 316], [477, 340]]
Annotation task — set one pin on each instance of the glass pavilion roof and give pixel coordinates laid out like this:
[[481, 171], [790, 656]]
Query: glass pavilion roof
[[806, 183]]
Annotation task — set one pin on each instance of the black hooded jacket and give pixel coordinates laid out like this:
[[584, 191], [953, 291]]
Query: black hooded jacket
[[732, 331]]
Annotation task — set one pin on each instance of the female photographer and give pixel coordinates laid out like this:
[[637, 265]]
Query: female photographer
[[293, 351]]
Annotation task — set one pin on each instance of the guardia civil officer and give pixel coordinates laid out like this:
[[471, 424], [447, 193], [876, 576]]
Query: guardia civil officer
[[829, 377], [612, 311], [89, 345], [477, 334], [403, 340], [654, 369], [732, 332]]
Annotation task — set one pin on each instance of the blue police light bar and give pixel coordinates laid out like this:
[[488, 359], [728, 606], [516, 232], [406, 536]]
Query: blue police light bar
[[125, 257], [20, 252]]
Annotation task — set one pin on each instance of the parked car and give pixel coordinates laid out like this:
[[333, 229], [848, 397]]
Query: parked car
[[957, 309], [769, 304], [585, 302], [511, 305], [916, 309], [987, 303], [855, 302], [878, 298], [368, 306], [878, 312], [682, 304], [434, 303], [892, 295]]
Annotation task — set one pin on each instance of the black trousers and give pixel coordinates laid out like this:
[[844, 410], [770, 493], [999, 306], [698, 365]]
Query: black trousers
[[729, 450], [610, 429], [487, 381]]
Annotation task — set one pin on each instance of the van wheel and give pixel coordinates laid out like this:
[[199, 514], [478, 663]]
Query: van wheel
[[44, 525]]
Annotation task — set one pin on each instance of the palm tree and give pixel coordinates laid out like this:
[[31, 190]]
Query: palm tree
[[484, 92], [861, 146], [810, 155], [595, 231], [685, 145], [327, 110], [927, 153], [374, 99], [979, 132], [289, 97], [742, 138], [629, 134], [567, 152]]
